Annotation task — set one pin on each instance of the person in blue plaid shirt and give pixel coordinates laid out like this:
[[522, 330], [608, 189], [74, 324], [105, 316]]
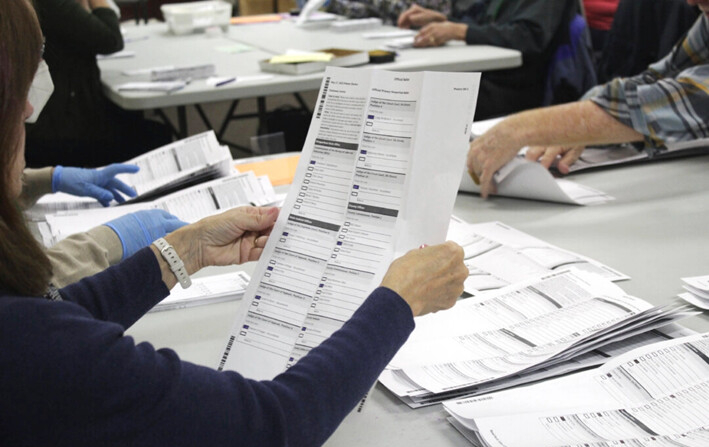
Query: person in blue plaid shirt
[[668, 102]]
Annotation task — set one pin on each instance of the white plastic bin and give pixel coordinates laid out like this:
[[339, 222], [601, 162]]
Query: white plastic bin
[[185, 18]]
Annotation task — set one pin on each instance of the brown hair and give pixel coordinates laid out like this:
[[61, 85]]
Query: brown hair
[[24, 267]]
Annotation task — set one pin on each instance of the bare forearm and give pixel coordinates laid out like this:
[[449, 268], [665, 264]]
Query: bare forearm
[[575, 124], [93, 4]]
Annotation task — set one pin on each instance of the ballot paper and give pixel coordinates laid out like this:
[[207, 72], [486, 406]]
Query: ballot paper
[[162, 170], [176, 164], [375, 179], [655, 395], [518, 329], [527, 179], [498, 255], [416, 397], [206, 290], [190, 204], [697, 291]]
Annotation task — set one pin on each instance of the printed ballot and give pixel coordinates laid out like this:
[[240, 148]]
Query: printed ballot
[[378, 176], [655, 395]]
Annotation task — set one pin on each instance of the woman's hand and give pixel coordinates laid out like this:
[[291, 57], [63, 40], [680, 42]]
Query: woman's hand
[[232, 237], [437, 34], [416, 17], [428, 279]]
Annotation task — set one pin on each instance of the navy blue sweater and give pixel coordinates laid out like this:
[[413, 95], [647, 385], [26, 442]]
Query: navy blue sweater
[[69, 376]]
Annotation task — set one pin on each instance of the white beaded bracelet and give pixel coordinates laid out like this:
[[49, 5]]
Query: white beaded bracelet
[[173, 260]]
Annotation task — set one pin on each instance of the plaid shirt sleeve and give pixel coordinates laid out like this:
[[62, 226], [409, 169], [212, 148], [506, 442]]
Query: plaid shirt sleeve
[[388, 10], [669, 101]]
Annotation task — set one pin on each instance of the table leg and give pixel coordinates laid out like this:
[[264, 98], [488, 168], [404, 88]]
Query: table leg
[[182, 121]]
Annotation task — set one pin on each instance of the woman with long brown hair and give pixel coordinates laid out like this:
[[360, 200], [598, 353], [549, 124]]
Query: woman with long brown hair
[[70, 377], [21, 40]]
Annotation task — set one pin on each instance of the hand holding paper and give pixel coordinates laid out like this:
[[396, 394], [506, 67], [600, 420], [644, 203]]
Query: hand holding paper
[[430, 278]]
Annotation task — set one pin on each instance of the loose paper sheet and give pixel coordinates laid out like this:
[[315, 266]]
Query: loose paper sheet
[[377, 177]]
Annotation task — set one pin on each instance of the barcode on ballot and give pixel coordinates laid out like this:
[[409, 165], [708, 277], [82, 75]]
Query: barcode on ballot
[[322, 98], [222, 362]]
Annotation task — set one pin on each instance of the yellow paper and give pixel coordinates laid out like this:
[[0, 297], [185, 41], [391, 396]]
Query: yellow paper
[[301, 57]]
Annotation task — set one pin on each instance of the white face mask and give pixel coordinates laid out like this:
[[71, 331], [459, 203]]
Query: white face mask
[[40, 90]]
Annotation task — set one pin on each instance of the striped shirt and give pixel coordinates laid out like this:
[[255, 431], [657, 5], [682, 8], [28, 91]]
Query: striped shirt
[[668, 102], [387, 10]]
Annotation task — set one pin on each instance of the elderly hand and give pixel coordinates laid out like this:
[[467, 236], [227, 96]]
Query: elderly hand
[[549, 156], [428, 279], [139, 229], [232, 237], [488, 153], [416, 17], [437, 34], [101, 184]]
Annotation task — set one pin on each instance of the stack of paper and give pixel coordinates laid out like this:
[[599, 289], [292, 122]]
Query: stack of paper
[[500, 338], [206, 290], [498, 255], [356, 24], [178, 164], [697, 291], [656, 395], [162, 170], [190, 205]]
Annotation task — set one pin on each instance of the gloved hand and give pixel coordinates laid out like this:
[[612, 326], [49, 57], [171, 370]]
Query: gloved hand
[[139, 229], [101, 184]]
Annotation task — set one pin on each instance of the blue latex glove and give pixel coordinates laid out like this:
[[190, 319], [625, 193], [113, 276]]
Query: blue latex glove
[[101, 184], [140, 229]]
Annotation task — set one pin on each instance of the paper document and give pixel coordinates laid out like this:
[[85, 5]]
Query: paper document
[[401, 43], [598, 157], [190, 205], [521, 328], [697, 288], [389, 34], [157, 86], [526, 179], [655, 395], [176, 164], [146, 71], [280, 168], [376, 178], [206, 290], [417, 397], [167, 168], [498, 255]]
